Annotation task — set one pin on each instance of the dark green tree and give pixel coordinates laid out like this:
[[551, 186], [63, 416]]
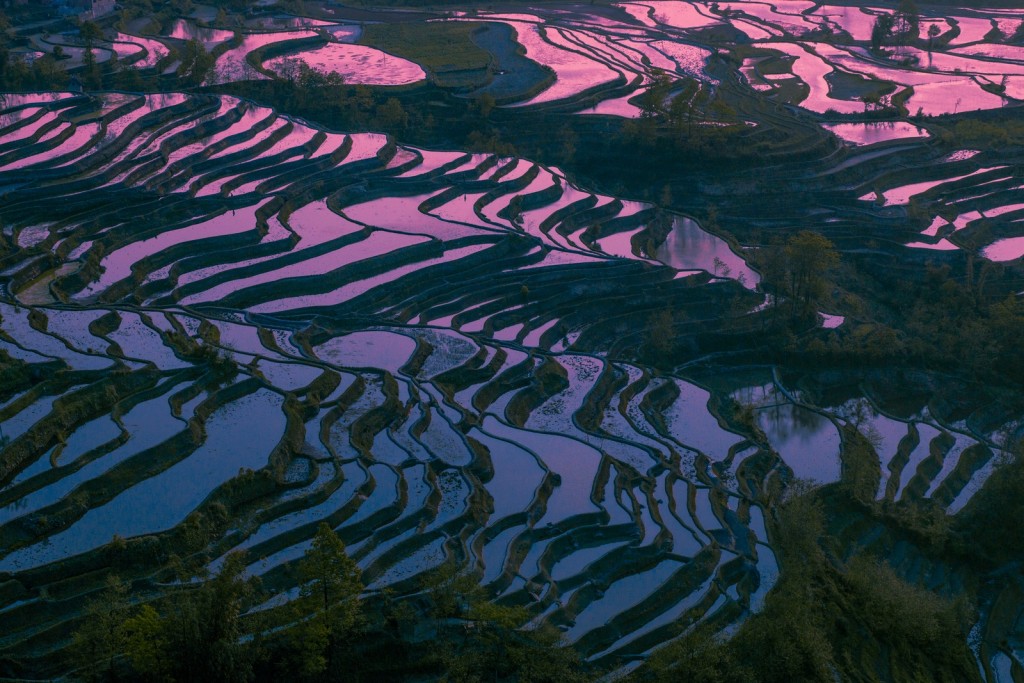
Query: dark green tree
[[197, 637], [102, 637], [807, 258], [328, 604], [90, 32], [906, 22], [881, 30]]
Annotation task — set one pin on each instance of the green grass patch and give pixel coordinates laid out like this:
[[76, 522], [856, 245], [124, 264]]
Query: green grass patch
[[446, 49], [847, 86]]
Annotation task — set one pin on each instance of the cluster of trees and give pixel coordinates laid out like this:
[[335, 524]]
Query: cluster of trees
[[827, 617], [901, 26], [324, 95], [964, 324], [196, 63], [44, 73], [993, 540], [676, 119], [16, 73], [195, 633], [854, 615], [50, 72], [797, 274], [204, 629]]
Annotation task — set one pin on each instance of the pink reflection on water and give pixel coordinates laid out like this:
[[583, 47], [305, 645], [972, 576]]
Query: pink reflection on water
[[259, 137], [934, 93], [899, 196], [556, 258], [972, 29], [956, 63], [432, 160], [960, 95], [210, 38], [657, 58], [856, 21], [125, 51], [359, 287], [402, 214], [619, 106], [793, 23], [1008, 249], [620, 244], [689, 59], [233, 65], [689, 247], [994, 50], [155, 50], [519, 168], [933, 229], [461, 210], [755, 31], [375, 245], [118, 264], [365, 146], [358, 64], [941, 245], [27, 130], [11, 100], [467, 166], [679, 14], [331, 144], [249, 117], [639, 12], [872, 133], [574, 72], [313, 224], [49, 135], [620, 53], [402, 157], [545, 179], [810, 68], [74, 146]]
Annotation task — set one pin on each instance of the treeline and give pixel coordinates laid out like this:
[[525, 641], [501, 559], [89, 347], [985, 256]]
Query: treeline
[[841, 609], [225, 628], [828, 618], [968, 325], [45, 73]]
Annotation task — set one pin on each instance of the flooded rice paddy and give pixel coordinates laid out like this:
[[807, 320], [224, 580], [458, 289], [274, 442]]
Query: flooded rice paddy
[[435, 351]]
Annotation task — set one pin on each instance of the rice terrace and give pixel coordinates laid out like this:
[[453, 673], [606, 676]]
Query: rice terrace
[[425, 340]]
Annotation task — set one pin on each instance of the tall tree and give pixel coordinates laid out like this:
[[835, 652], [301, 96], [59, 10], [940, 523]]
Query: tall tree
[[906, 22], [933, 33], [881, 30], [90, 32], [808, 258], [329, 602]]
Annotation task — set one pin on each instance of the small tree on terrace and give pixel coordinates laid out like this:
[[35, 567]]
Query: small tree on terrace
[[197, 636], [90, 32], [933, 33], [653, 99], [906, 22], [881, 30], [807, 258]]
